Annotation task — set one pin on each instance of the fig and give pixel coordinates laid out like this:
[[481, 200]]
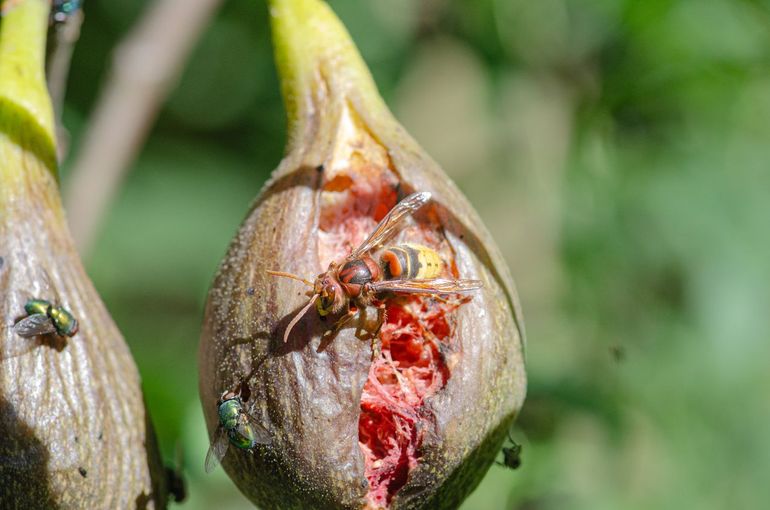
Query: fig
[[409, 413], [75, 432]]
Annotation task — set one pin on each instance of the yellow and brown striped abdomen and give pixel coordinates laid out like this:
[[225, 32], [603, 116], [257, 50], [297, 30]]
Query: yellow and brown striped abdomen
[[410, 262]]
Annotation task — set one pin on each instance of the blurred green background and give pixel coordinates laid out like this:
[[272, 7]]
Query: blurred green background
[[618, 150]]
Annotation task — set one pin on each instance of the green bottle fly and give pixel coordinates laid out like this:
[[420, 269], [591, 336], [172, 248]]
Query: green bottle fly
[[43, 317], [237, 427]]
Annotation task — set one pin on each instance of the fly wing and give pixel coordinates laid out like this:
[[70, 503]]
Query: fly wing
[[217, 450], [428, 286], [390, 223], [261, 435], [34, 325]]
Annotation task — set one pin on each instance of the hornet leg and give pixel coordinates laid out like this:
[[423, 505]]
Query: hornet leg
[[382, 316]]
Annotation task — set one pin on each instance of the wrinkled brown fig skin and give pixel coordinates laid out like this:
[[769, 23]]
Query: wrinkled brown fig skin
[[309, 401], [74, 432]]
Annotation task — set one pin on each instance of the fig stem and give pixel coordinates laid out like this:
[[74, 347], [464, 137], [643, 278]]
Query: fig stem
[[316, 58], [26, 115]]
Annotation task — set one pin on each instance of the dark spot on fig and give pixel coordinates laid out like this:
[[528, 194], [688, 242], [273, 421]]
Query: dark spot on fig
[[100, 436], [251, 291], [83, 472], [2, 263], [319, 168], [245, 391], [77, 439]]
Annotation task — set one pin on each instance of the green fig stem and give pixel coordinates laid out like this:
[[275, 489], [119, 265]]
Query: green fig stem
[[313, 50], [26, 115]]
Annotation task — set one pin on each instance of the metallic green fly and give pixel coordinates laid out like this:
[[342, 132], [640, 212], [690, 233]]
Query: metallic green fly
[[236, 427], [44, 318]]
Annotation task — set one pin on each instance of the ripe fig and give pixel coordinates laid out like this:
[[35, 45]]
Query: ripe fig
[[411, 418], [74, 432]]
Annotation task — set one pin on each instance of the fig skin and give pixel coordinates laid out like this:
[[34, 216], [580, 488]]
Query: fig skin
[[307, 393], [74, 429]]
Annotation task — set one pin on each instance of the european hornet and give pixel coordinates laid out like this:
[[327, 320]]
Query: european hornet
[[360, 279]]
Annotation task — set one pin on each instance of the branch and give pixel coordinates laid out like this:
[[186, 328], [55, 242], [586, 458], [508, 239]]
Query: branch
[[145, 67], [64, 33]]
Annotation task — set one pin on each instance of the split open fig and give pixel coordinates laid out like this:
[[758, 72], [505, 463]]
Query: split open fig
[[407, 414]]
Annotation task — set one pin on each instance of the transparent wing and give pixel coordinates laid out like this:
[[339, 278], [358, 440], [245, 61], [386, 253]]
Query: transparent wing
[[217, 450], [34, 325], [389, 224], [430, 286], [28, 333], [261, 435]]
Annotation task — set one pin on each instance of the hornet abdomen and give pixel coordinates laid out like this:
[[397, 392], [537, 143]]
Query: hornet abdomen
[[410, 262]]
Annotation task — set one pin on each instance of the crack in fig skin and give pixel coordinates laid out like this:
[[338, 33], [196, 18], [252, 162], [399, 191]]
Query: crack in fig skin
[[390, 427], [410, 368]]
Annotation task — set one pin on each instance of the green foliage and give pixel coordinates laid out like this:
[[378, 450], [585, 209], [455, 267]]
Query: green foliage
[[618, 151]]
